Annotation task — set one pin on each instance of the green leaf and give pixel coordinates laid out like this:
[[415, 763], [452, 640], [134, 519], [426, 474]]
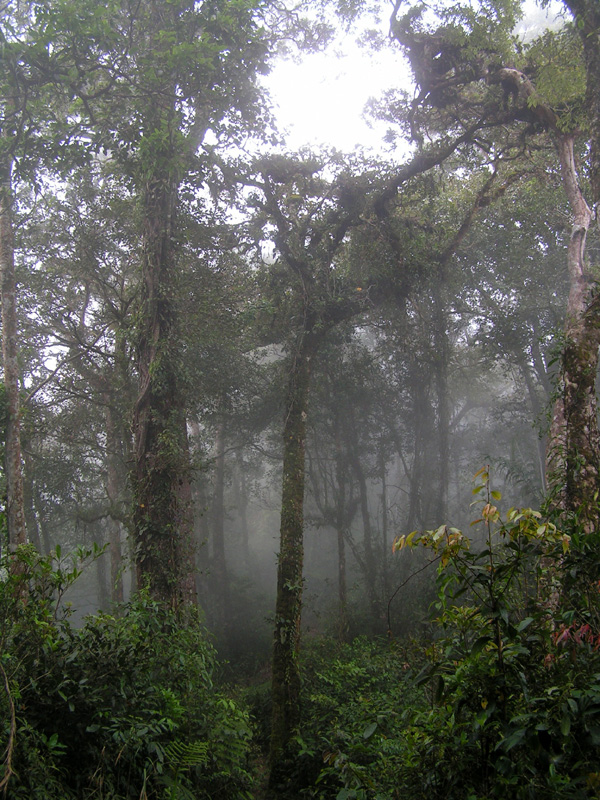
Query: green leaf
[[479, 645], [514, 739], [525, 623], [369, 730]]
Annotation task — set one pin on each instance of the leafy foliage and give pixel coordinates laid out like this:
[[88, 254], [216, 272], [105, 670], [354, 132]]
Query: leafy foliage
[[125, 707], [505, 699]]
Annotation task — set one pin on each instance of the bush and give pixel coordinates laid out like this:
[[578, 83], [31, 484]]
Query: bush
[[353, 700], [124, 707], [503, 703], [515, 712]]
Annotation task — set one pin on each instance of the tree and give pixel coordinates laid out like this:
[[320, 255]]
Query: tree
[[188, 70], [575, 445], [308, 218], [46, 65], [461, 64], [14, 475], [14, 132]]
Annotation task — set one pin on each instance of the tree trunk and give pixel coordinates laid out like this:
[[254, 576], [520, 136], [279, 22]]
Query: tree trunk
[[441, 358], [288, 608], [103, 601], [536, 412], [240, 490], [587, 14], [199, 519], [574, 447], [113, 487], [161, 458], [15, 507], [369, 559], [40, 508], [341, 523], [420, 403], [185, 519], [33, 529], [386, 546], [219, 574]]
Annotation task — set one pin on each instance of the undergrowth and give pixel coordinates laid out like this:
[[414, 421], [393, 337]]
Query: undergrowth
[[121, 709]]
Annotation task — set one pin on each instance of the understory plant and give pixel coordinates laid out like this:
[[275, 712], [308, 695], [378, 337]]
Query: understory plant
[[503, 702], [514, 675], [124, 707]]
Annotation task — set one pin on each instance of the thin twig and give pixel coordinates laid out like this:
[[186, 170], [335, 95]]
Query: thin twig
[[402, 585]]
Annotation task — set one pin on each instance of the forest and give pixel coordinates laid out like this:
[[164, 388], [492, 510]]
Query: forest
[[300, 475]]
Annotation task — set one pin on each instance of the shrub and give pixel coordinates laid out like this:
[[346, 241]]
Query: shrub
[[503, 703], [124, 707]]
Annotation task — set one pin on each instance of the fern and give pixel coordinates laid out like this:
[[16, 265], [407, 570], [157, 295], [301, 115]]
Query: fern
[[182, 755]]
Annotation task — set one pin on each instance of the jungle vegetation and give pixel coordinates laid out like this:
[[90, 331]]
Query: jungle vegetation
[[301, 458]]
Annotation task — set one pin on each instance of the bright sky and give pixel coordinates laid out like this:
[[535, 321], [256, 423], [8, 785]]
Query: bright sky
[[321, 100]]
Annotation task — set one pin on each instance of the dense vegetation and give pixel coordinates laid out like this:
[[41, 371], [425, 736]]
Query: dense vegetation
[[214, 349], [500, 697]]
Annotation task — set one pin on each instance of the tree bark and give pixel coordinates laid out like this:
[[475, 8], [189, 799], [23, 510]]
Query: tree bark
[[574, 447], [219, 573], [161, 459], [288, 609], [17, 533]]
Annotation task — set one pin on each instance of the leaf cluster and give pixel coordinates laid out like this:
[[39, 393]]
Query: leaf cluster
[[504, 701], [123, 707]]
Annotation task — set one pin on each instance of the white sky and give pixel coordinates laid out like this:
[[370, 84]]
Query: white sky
[[321, 99]]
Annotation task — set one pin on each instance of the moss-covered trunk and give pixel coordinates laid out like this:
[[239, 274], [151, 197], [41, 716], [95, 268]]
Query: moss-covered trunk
[[161, 457], [15, 506], [288, 609], [574, 447]]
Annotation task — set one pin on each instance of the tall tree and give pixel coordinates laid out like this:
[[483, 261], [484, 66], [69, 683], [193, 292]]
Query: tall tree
[[189, 69], [46, 63], [463, 65], [308, 217], [14, 131], [14, 474], [575, 437]]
